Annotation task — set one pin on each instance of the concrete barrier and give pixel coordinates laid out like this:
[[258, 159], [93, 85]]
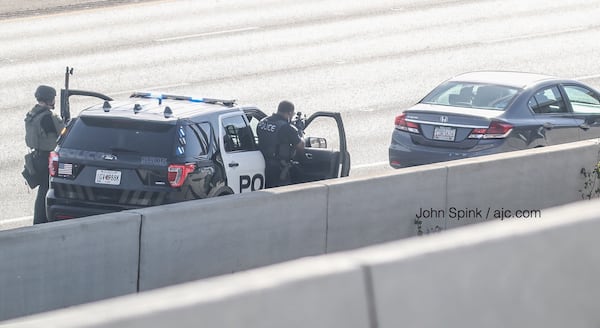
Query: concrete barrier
[[441, 196], [500, 274], [316, 292], [497, 274], [486, 188], [377, 209], [204, 238], [51, 266]]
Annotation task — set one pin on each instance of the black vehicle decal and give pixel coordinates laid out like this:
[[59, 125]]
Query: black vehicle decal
[[153, 161]]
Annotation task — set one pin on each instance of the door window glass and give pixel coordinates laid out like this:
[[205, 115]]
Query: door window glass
[[548, 100], [238, 135], [582, 99]]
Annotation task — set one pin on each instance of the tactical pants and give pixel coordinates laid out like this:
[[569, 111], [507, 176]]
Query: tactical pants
[[273, 176], [39, 211]]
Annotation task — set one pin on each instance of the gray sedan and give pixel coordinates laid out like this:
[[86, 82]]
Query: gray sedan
[[481, 113]]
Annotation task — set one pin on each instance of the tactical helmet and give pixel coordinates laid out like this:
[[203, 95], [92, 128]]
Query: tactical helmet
[[45, 93]]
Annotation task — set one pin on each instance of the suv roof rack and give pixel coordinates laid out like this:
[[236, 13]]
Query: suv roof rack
[[160, 96]]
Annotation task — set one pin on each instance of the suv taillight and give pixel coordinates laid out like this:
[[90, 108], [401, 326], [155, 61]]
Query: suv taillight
[[53, 163], [177, 173], [402, 124], [496, 130]]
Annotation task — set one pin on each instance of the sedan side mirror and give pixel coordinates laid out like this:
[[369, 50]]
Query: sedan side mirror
[[315, 142]]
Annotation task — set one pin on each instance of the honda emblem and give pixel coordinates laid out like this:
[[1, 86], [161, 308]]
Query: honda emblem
[[444, 119]]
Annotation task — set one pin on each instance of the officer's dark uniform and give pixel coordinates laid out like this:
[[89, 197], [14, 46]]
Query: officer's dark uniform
[[277, 139], [41, 136]]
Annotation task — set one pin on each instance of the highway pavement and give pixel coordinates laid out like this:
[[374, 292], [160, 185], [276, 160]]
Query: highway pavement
[[368, 60]]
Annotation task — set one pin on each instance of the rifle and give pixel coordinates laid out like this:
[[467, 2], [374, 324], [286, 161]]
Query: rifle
[[65, 107], [65, 110], [300, 123]]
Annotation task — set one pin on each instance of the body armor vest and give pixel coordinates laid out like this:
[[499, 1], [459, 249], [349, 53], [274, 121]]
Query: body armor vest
[[35, 136]]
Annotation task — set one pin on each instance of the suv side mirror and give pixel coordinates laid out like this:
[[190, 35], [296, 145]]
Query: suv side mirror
[[315, 142]]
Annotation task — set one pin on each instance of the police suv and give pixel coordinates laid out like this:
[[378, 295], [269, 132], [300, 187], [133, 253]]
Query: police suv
[[153, 149]]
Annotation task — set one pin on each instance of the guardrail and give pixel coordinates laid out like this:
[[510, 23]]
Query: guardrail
[[500, 274], [61, 264]]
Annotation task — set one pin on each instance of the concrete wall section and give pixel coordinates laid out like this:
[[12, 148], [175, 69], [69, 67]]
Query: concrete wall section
[[486, 188], [199, 239], [381, 208], [50, 266], [314, 292], [498, 274]]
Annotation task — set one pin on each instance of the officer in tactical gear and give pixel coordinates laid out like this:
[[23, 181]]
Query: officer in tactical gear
[[278, 141], [42, 129]]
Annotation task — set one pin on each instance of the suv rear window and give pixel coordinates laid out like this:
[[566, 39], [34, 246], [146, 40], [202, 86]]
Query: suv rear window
[[125, 136]]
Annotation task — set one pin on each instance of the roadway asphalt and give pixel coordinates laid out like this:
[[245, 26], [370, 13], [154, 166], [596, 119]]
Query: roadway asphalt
[[28, 8], [367, 60]]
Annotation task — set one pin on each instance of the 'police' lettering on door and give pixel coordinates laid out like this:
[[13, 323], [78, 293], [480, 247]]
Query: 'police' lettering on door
[[257, 182]]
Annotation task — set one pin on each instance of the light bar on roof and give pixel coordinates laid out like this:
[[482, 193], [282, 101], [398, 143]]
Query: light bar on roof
[[160, 96]]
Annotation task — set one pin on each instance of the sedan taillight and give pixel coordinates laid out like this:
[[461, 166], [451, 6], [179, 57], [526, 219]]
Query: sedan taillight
[[404, 125], [496, 130]]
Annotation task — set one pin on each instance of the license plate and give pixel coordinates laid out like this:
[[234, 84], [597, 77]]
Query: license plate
[[108, 177], [444, 133]]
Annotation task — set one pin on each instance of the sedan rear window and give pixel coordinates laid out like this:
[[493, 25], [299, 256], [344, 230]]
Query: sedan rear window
[[113, 136], [475, 95]]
